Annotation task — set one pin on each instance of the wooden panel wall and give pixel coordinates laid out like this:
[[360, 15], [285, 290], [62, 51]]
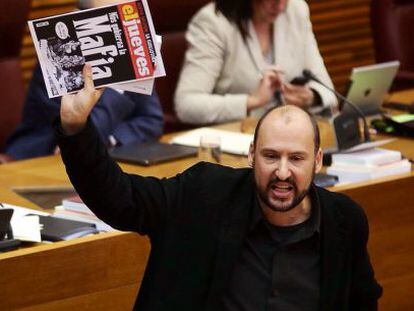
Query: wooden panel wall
[[40, 8], [341, 27]]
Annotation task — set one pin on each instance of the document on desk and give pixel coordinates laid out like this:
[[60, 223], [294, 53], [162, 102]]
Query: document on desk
[[368, 145], [25, 223], [231, 142]]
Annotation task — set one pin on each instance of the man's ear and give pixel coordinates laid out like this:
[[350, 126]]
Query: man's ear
[[250, 156], [318, 160]]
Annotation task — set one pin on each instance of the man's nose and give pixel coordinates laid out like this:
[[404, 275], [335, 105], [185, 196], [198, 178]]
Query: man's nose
[[283, 170]]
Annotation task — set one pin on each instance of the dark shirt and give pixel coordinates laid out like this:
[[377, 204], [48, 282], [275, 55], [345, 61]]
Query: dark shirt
[[279, 266]]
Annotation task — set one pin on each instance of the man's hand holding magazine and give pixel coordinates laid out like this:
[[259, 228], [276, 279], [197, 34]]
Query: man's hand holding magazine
[[75, 108]]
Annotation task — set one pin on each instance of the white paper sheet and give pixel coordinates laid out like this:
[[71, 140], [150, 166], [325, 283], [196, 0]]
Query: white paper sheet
[[231, 142], [25, 228]]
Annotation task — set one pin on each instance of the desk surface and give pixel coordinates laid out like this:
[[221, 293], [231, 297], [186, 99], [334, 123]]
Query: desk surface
[[105, 270]]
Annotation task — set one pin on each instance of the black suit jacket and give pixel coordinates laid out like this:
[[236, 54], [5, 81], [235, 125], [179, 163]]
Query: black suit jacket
[[197, 222]]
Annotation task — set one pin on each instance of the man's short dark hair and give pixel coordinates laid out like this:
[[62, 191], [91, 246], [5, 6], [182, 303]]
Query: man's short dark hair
[[316, 134]]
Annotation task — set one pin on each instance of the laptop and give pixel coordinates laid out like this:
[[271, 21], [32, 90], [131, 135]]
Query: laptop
[[150, 153], [369, 85]]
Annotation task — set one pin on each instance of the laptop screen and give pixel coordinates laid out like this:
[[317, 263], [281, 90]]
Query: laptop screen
[[369, 86]]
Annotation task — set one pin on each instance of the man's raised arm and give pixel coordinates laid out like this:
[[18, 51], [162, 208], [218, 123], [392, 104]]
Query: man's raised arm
[[125, 201]]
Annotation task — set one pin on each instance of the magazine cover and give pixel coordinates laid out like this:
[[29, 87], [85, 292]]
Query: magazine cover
[[145, 86], [118, 41]]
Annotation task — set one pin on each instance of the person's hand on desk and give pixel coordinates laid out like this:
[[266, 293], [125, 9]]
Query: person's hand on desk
[[298, 95], [75, 109]]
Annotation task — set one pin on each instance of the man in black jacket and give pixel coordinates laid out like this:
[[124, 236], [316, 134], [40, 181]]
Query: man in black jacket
[[231, 239]]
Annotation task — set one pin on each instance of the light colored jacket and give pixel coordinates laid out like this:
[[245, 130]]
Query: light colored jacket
[[220, 69]]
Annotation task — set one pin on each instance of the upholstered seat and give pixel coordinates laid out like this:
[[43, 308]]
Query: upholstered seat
[[11, 96], [392, 24], [171, 19], [13, 16]]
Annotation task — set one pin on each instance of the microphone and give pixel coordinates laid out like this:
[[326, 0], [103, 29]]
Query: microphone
[[307, 74]]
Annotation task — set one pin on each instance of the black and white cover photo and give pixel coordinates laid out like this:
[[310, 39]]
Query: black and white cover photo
[[118, 41]]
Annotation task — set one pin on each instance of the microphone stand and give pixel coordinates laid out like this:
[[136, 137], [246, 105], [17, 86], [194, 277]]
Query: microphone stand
[[309, 75]]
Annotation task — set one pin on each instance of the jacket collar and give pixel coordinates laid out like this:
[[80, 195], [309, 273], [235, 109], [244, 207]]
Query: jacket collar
[[315, 218]]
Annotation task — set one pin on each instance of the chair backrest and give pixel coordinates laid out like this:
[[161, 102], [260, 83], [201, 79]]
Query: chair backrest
[[173, 49], [174, 15], [171, 19], [13, 16], [12, 94], [392, 23]]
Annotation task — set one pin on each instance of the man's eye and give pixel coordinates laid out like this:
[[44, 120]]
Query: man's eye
[[296, 158], [270, 156]]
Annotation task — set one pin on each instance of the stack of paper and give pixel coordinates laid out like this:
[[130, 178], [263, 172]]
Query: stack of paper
[[231, 142], [74, 209], [369, 157], [368, 164], [75, 203], [118, 41], [25, 223]]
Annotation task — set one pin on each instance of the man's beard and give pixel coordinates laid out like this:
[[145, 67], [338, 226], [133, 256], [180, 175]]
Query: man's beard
[[297, 199]]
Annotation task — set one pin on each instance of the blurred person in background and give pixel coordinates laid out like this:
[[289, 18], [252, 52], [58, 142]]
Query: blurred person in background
[[241, 53]]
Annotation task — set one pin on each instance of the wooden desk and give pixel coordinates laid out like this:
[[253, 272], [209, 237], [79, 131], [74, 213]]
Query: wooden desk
[[101, 272], [105, 271]]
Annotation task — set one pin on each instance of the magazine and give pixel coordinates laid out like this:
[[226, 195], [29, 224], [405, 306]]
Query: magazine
[[118, 41]]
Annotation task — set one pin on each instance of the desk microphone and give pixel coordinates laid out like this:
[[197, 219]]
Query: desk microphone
[[307, 74]]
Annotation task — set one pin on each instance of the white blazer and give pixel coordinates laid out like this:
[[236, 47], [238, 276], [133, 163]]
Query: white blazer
[[220, 69]]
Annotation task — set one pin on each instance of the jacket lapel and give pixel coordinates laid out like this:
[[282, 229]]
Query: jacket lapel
[[287, 51], [232, 232], [279, 41], [253, 47], [333, 247]]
